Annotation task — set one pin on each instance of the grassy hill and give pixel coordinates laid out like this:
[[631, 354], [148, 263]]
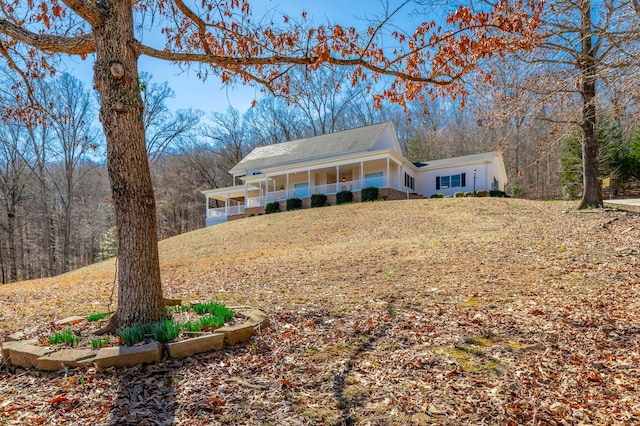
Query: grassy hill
[[434, 311]]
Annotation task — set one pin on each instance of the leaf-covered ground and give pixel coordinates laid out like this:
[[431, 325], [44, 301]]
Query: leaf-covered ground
[[455, 311]]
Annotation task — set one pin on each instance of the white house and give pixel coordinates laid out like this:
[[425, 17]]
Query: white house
[[347, 160], [462, 174]]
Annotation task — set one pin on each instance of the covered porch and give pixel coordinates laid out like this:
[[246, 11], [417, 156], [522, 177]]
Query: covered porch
[[233, 200], [328, 180], [303, 182]]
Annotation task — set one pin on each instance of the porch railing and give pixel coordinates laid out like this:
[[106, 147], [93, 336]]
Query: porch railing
[[282, 195], [255, 202], [225, 211], [327, 189]]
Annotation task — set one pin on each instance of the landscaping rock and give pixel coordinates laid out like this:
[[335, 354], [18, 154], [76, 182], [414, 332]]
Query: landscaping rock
[[257, 318], [70, 320], [128, 356], [236, 333], [18, 335], [8, 344], [65, 358], [27, 353], [196, 345], [172, 302], [24, 354]]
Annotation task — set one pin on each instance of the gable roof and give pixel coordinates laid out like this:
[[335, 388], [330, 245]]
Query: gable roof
[[486, 157], [343, 142]]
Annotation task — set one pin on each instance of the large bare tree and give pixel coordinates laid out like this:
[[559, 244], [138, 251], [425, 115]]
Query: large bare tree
[[227, 40], [586, 47]]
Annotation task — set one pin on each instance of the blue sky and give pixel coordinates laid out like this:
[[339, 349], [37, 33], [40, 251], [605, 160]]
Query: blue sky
[[211, 95]]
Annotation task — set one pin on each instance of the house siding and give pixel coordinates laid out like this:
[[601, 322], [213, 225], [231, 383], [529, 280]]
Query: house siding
[[426, 180]]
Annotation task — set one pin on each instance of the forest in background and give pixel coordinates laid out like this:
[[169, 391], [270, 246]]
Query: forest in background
[[55, 202]]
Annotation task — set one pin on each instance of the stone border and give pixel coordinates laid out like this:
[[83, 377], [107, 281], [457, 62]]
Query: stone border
[[28, 354]]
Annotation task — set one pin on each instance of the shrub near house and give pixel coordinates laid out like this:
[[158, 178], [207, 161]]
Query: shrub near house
[[369, 194], [272, 207], [344, 197], [318, 200], [294, 204]]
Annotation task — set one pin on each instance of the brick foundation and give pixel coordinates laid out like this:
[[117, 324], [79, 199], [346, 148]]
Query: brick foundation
[[395, 195], [383, 194], [255, 210]]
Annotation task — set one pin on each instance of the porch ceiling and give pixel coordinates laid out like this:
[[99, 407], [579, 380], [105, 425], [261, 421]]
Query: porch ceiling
[[228, 192]]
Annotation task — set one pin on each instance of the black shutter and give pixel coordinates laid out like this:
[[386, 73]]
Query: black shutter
[[463, 180], [437, 182]]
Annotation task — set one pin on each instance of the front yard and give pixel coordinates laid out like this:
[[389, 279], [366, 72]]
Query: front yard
[[447, 311]]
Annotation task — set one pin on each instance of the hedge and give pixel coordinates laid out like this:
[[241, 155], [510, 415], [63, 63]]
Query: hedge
[[272, 207], [343, 197], [318, 200], [294, 204], [369, 193]]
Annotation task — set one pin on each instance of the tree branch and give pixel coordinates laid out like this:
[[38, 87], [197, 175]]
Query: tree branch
[[202, 32], [88, 11], [81, 45], [236, 63], [636, 6]]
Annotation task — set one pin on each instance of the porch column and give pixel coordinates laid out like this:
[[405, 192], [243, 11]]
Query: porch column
[[266, 189], [207, 211], [387, 175], [287, 187], [361, 175], [246, 195], [226, 211], [400, 170], [337, 179], [308, 182]]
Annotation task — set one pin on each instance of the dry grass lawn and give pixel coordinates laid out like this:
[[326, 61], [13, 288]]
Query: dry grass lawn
[[453, 311]]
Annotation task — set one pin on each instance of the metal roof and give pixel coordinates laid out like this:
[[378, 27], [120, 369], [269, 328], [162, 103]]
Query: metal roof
[[346, 141], [457, 161]]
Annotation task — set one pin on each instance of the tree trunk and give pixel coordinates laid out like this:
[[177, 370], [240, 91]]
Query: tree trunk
[[46, 225], [116, 80], [66, 234], [591, 196], [3, 279], [39, 149], [12, 257]]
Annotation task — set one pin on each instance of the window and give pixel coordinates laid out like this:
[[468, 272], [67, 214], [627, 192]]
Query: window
[[409, 181], [301, 190], [374, 179], [452, 181]]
